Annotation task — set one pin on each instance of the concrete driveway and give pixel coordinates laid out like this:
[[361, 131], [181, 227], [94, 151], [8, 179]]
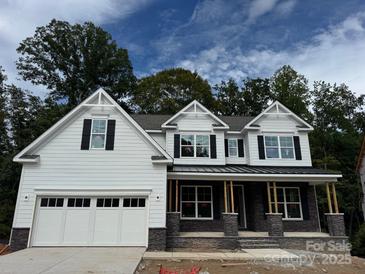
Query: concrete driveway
[[73, 260]]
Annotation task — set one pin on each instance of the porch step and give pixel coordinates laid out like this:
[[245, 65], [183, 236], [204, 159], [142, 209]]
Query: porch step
[[258, 243]]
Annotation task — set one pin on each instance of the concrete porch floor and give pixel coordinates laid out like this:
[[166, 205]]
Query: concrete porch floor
[[253, 234]]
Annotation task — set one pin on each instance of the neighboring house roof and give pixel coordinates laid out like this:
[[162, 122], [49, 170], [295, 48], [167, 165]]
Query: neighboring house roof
[[361, 156], [154, 121], [26, 156], [246, 169]]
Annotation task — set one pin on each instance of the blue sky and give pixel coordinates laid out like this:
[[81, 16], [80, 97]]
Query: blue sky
[[324, 40]]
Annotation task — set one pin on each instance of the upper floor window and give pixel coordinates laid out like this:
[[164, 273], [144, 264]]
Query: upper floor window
[[232, 147], [279, 147], [194, 145], [98, 133]]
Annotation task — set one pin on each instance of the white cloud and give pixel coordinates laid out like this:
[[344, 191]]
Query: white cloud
[[259, 8], [286, 7], [336, 54], [19, 18]]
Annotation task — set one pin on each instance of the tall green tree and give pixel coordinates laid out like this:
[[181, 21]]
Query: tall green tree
[[291, 89], [229, 98], [256, 94], [72, 61], [168, 91]]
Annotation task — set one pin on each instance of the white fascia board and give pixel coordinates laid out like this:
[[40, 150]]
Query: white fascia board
[[99, 92], [255, 177], [167, 161], [27, 160], [183, 111], [91, 191], [154, 131], [277, 103]]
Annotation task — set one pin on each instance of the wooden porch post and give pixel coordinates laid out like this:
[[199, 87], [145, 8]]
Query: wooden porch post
[[170, 195], [269, 196], [177, 197], [232, 198], [225, 197], [329, 198], [275, 198], [334, 197]]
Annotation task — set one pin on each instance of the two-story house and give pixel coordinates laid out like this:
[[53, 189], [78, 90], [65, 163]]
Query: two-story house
[[102, 177]]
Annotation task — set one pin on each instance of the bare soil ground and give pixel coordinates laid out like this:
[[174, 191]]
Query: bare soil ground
[[356, 266], [7, 251]]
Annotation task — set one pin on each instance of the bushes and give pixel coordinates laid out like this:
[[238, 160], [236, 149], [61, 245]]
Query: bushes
[[358, 243]]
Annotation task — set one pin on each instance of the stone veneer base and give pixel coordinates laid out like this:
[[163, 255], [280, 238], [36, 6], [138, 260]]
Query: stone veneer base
[[275, 224], [230, 224], [19, 238], [336, 224], [157, 239]]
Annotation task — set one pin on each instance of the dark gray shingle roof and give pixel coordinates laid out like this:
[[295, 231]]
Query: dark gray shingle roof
[[245, 169], [154, 121]]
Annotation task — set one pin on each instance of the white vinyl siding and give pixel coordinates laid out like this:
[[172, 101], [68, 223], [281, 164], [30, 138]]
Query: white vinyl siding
[[63, 164]]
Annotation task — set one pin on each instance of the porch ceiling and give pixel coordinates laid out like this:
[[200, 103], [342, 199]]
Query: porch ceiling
[[251, 173]]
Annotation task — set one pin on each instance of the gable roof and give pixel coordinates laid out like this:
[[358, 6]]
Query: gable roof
[[101, 96], [154, 121], [277, 105], [195, 105]]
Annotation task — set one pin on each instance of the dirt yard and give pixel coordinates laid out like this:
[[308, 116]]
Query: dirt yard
[[219, 267]]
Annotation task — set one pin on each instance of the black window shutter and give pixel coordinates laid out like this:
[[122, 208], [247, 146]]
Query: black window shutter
[[226, 147], [110, 135], [86, 131], [177, 146], [260, 142], [241, 151], [213, 147], [298, 152], [304, 200]]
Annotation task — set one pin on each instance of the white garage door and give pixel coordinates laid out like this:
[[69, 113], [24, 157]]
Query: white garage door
[[89, 221]]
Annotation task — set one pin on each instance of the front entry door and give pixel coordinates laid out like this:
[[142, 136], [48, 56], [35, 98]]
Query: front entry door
[[239, 205]]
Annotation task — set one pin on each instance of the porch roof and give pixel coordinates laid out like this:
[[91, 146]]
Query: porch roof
[[256, 173]]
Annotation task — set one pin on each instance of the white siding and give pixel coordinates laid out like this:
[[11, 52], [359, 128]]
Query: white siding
[[278, 125], [160, 138], [62, 163], [196, 124]]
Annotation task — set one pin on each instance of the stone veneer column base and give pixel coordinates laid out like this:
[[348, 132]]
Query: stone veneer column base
[[173, 223], [230, 224], [157, 239], [19, 238], [336, 224], [275, 224]]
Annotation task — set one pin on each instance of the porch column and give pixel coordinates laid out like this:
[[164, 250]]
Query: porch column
[[230, 220], [173, 218], [274, 220], [335, 220]]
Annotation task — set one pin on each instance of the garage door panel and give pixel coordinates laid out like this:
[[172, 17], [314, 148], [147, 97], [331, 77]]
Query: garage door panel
[[134, 227], [49, 227], [107, 227], [77, 227]]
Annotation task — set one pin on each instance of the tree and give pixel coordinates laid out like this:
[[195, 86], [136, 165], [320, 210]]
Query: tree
[[229, 98], [72, 61], [291, 89], [168, 91], [4, 137], [256, 94]]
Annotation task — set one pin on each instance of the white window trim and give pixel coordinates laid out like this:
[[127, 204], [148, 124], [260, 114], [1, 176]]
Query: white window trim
[[91, 133], [236, 141], [194, 146], [285, 204], [279, 147], [196, 202]]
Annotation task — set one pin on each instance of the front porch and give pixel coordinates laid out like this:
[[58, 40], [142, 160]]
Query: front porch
[[236, 211]]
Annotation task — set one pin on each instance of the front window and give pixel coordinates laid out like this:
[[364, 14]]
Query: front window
[[194, 145], [98, 133], [288, 202], [232, 148], [279, 147], [196, 202]]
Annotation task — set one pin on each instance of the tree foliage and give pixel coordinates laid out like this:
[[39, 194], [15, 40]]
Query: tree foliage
[[170, 90], [72, 61]]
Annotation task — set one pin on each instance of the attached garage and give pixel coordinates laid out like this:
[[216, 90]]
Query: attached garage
[[90, 221]]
